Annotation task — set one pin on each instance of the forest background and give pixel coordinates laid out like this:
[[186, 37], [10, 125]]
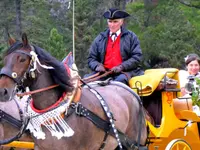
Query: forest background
[[168, 30]]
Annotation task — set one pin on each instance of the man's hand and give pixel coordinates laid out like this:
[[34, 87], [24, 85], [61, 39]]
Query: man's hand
[[117, 69], [100, 68]]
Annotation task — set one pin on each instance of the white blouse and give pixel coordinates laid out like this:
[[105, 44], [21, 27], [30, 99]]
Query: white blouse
[[183, 77]]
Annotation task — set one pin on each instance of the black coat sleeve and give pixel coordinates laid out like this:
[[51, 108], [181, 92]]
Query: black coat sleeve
[[94, 56], [134, 56]]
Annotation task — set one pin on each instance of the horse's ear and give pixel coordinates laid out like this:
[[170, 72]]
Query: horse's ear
[[11, 40], [24, 40]]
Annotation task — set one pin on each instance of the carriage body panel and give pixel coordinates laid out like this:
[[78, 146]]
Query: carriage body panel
[[174, 118]]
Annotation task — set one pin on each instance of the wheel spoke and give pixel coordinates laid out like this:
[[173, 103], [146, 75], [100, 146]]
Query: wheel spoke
[[178, 144]]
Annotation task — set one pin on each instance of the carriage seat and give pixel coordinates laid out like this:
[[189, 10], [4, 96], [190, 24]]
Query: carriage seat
[[152, 80], [181, 105], [184, 110]]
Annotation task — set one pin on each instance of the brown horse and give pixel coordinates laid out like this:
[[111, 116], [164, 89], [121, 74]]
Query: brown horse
[[21, 69]]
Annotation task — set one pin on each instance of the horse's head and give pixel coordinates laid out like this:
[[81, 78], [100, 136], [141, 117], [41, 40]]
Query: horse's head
[[16, 61], [31, 66]]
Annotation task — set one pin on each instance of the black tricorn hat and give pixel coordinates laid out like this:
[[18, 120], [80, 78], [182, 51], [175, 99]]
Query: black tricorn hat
[[114, 13]]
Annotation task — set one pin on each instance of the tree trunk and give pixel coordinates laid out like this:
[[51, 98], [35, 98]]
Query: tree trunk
[[18, 17]]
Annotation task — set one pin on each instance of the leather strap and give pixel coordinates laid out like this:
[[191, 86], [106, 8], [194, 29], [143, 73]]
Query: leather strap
[[9, 119], [81, 111]]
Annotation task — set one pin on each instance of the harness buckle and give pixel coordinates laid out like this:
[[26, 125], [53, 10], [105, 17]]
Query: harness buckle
[[78, 108]]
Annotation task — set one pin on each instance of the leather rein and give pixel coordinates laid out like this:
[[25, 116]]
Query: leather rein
[[37, 91], [95, 77]]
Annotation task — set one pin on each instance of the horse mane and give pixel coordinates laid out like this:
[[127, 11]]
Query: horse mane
[[59, 73]]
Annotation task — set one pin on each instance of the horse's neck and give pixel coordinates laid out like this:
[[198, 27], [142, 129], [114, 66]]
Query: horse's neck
[[46, 98]]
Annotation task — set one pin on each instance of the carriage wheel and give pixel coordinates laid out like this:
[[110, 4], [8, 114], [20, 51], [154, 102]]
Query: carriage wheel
[[178, 144]]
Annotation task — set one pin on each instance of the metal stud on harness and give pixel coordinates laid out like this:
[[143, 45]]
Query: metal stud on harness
[[108, 114]]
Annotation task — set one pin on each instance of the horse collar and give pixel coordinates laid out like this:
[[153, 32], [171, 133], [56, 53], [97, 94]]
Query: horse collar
[[51, 118]]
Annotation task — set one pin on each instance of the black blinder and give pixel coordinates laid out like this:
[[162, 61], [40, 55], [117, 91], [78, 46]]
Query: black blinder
[[7, 72]]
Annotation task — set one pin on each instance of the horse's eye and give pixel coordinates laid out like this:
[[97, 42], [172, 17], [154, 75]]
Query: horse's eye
[[22, 60]]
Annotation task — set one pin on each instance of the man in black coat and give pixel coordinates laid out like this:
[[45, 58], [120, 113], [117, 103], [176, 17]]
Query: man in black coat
[[116, 49]]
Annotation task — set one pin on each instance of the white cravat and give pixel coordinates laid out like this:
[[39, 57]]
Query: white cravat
[[114, 35]]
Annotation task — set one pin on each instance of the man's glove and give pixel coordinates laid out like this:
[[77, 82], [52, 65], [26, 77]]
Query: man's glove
[[100, 68], [117, 69]]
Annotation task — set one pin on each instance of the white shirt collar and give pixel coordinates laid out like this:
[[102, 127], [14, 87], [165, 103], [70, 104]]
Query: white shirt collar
[[118, 32]]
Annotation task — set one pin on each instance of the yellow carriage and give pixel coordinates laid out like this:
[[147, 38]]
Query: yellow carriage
[[176, 126]]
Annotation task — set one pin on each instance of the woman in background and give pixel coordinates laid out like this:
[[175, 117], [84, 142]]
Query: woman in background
[[192, 62], [187, 79]]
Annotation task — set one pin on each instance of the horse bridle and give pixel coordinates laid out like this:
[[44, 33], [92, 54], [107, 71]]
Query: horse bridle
[[13, 75]]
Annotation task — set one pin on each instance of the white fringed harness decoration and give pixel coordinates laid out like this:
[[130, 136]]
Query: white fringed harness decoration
[[51, 119]]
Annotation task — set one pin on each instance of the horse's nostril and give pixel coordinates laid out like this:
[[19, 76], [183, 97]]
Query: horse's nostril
[[4, 94], [5, 91]]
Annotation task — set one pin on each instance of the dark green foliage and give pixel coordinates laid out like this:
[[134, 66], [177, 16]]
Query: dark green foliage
[[2, 50], [7, 15], [55, 44], [190, 3], [37, 21], [195, 92], [169, 36]]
